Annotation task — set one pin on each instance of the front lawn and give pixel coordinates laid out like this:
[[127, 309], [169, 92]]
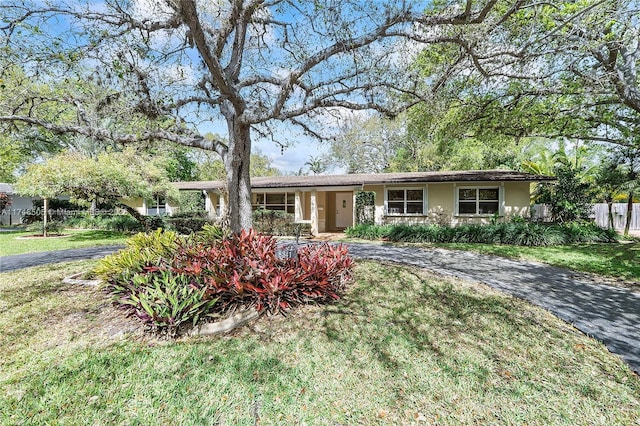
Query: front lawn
[[18, 242], [618, 260], [402, 347]]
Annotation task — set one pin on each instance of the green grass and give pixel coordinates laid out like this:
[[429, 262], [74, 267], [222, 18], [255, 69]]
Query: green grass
[[10, 243], [619, 260], [402, 347]]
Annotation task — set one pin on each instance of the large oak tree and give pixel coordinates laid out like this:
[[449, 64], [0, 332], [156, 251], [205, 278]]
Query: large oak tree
[[170, 67]]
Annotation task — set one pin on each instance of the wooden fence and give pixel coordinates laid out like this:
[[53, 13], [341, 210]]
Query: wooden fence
[[541, 212]]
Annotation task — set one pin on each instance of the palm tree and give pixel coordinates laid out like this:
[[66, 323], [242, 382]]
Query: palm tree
[[316, 165]]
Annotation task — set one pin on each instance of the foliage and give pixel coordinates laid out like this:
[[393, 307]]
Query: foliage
[[115, 222], [5, 200], [569, 197], [279, 223], [143, 249], [209, 234], [513, 233], [368, 231], [164, 300], [211, 167], [365, 207], [53, 227], [166, 283], [188, 222], [367, 145], [109, 177], [191, 201], [59, 210]]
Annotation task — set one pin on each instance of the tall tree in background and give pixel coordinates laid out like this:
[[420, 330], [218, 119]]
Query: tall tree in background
[[253, 64], [572, 72], [368, 145]]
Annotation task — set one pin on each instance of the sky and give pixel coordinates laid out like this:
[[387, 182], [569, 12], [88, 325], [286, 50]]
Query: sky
[[288, 161], [178, 78]]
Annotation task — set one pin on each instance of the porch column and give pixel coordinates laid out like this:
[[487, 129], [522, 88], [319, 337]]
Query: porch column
[[354, 221], [314, 213], [299, 211], [208, 204], [222, 202]]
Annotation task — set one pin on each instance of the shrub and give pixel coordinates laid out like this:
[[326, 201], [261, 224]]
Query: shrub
[[278, 223], [150, 249], [53, 227], [164, 300], [5, 200], [153, 223], [209, 234], [244, 270], [187, 224], [207, 279], [514, 233], [367, 231], [118, 222]]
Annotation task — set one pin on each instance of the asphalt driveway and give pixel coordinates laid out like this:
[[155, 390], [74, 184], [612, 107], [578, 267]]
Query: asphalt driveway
[[609, 314]]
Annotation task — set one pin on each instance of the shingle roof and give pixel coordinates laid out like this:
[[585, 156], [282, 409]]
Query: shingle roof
[[374, 179]]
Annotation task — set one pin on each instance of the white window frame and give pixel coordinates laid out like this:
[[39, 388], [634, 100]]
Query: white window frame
[[156, 208], [500, 189], [405, 189]]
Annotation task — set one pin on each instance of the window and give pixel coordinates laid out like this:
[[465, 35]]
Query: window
[[484, 201], [157, 207], [282, 201], [405, 201]]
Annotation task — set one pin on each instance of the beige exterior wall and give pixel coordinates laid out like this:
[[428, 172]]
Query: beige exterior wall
[[321, 203], [136, 203], [306, 213], [441, 203], [517, 199], [318, 207]]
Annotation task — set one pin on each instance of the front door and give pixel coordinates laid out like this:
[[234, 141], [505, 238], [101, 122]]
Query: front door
[[344, 209]]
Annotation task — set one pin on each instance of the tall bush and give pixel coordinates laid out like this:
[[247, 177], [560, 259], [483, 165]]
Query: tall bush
[[569, 197]]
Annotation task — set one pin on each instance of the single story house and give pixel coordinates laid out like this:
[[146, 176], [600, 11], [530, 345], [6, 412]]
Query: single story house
[[327, 201]]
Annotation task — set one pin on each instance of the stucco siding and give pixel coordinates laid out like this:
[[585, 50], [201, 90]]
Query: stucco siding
[[136, 203], [517, 199], [441, 203]]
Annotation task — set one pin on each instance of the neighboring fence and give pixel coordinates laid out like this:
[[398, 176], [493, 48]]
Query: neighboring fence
[[542, 213], [619, 215]]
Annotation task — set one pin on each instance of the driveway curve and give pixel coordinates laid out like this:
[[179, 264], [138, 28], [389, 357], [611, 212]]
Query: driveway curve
[[27, 260], [609, 314]]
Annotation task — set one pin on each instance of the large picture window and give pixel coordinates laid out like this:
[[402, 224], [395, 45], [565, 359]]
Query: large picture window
[[282, 201], [482, 201], [405, 201]]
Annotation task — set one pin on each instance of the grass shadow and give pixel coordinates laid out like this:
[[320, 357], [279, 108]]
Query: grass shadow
[[97, 234]]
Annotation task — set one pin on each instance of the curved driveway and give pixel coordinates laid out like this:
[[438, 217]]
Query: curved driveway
[[610, 314]]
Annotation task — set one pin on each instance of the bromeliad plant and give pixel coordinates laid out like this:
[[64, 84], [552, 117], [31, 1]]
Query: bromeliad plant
[[208, 278]]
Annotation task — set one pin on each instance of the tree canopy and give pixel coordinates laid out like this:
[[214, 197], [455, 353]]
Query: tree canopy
[[109, 177], [164, 69]]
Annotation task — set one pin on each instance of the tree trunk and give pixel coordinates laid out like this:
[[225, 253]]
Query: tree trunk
[[45, 213], [627, 225], [610, 211], [133, 212], [236, 164]]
